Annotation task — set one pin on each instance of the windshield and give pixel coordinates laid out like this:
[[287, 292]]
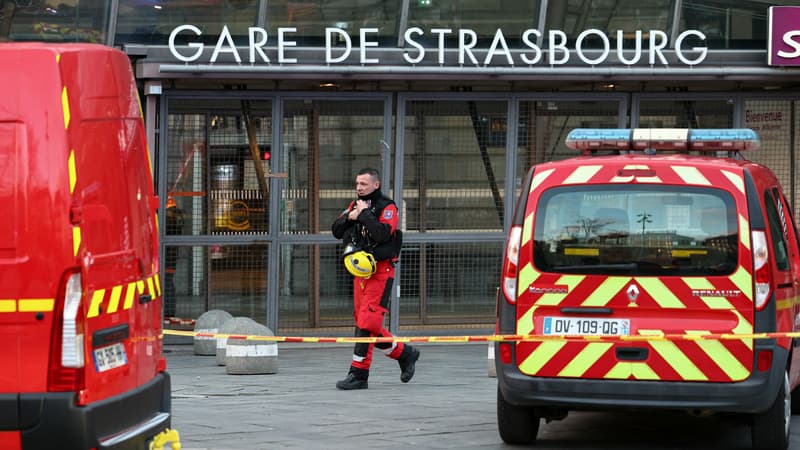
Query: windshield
[[636, 230]]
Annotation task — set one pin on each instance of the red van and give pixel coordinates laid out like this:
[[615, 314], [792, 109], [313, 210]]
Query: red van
[[645, 269], [81, 365]]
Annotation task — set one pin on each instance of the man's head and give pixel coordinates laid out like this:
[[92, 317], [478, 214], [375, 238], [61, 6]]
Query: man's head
[[368, 180]]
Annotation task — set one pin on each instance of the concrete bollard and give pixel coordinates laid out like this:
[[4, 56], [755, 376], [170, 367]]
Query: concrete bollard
[[492, 368], [208, 322], [251, 357], [229, 327]]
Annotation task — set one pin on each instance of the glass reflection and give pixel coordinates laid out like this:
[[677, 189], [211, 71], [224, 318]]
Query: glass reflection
[[152, 21], [57, 21]]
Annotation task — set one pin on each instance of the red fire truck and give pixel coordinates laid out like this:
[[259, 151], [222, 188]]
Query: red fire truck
[[81, 365]]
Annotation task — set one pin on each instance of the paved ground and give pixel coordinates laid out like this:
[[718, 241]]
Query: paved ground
[[299, 407], [450, 403]]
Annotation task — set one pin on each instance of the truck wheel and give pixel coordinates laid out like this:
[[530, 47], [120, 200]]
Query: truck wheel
[[770, 429], [518, 425]]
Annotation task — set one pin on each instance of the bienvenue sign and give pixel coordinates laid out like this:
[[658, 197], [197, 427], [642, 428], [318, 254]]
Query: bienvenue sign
[[339, 47]]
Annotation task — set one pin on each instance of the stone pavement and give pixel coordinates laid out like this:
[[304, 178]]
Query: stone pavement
[[450, 403]]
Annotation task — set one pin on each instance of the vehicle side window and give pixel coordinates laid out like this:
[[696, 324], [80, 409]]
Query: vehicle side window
[[789, 214], [777, 224]]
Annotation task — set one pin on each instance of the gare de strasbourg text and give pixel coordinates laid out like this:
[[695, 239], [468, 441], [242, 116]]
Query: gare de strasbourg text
[[558, 51]]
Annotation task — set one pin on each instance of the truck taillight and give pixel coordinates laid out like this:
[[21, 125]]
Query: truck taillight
[[66, 356], [761, 267], [510, 263]]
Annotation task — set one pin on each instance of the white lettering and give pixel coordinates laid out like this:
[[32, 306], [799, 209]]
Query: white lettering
[[526, 39], [225, 45], [679, 51], [197, 45], [415, 44], [500, 40], [579, 49], [282, 43], [365, 43], [441, 32], [553, 46], [637, 53], [339, 46], [328, 45], [790, 39], [256, 45], [656, 47], [466, 48]]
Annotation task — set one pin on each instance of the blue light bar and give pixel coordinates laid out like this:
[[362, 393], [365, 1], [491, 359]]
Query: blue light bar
[[669, 139], [599, 139], [723, 139]]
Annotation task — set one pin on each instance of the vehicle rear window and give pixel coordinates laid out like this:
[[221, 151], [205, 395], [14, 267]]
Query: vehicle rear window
[[636, 230]]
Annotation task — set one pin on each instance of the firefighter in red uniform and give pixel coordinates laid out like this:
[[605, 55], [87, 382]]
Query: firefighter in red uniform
[[368, 229]]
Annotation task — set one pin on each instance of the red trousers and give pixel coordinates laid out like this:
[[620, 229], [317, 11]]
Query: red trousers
[[370, 304]]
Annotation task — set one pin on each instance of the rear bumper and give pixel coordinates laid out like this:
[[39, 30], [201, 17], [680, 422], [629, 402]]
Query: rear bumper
[[753, 395], [52, 420]]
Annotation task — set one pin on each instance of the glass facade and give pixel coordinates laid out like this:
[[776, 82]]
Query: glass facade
[[727, 24], [55, 21]]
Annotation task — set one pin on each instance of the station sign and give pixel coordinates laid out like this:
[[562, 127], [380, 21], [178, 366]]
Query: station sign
[[591, 47], [784, 36]]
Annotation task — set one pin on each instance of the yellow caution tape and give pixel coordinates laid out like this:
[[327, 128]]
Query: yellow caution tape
[[488, 338]]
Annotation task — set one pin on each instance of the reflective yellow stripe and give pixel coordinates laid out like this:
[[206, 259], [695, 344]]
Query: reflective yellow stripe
[[8, 306], [582, 174], [660, 293], [743, 327], [140, 286], [724, 359], [129, 294], [158, 285], [76, 240], [609, 288], [539, 177], [527, 275], [691, 175], [744, 281], [744, 231], [641, 371], [36, 304], [678, 361], [65, 106], [113, 302], [543, 353], [525, 323], [73, 178], [527, 230], [150, 287], [620, 371], [735, 180], [97, 300], [584, 360]]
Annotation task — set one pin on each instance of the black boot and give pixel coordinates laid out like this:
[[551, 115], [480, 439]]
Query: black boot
[[355, 379], [407, 360]]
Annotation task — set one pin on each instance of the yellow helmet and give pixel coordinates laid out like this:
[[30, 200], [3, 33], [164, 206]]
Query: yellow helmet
[[358, 262]]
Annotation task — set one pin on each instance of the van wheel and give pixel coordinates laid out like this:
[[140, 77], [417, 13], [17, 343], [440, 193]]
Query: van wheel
[[518, 425], [770, 429], [796, 401]]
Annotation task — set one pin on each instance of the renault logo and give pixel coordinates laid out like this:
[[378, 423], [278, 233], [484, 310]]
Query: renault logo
[[633, 292]]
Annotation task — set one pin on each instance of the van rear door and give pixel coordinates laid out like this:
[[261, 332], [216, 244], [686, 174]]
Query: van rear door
[[668, 254], [112, 204]]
